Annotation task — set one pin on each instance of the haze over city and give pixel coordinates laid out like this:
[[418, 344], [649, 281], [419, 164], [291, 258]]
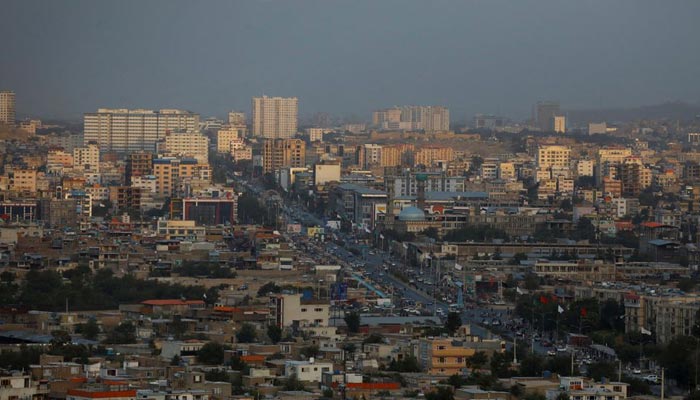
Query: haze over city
[[348, 58], [349, 200]]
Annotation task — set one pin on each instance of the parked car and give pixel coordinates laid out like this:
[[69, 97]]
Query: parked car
[[651, 379]]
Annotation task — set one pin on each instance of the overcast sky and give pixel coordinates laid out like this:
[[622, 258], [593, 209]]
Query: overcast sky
[[64, 58]]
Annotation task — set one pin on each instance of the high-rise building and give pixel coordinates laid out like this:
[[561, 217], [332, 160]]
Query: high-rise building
[[559, 124], [544, 114], [225, 136], [124, 131], [7, 107], [171, 173], [275, 117], [236, 118], [425, 118], [188, 144], [280, 153]]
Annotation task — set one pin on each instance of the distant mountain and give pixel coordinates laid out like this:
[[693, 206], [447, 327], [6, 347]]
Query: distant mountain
[[671, 110]]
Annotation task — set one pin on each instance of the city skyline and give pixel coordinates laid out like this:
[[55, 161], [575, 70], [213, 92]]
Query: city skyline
[[350, 62]]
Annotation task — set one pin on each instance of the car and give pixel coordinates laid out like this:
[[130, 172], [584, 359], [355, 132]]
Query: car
[[651, 379], [636, 371], [551, 353]]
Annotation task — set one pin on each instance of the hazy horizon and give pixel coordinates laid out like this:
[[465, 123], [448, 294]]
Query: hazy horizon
[[347, 58]]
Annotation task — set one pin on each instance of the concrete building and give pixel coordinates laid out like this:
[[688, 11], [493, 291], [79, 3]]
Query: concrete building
[[187, 144], [326, 171], [20, 386], [7, 107], [181, 230], [559, 124], [597, 128], [545, 112], [426, 118], [225, 136], [275, 117], [236, 118], [288, 310], [279, 153], [124, 131], [553, 156], [87, 157], [307, 370], [170, 172], [430, 155], [139, 163]]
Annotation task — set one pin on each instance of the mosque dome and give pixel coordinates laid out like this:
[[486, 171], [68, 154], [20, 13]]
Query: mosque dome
[[411, 214]]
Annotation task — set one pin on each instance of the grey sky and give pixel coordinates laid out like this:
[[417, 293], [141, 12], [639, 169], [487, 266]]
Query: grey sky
[[64, 58]]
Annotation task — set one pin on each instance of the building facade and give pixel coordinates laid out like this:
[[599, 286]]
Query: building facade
[[7, 107], [124, 131], [275, 117]]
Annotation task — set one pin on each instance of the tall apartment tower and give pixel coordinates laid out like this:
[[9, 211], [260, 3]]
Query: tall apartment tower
[[7, 107], [275, 117], [545, 113], [124, 131]]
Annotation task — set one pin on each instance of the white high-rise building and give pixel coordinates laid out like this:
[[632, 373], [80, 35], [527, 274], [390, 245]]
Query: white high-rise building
[[275, 117], [7, 107], [236, 118], [123, 131], [559, 124]]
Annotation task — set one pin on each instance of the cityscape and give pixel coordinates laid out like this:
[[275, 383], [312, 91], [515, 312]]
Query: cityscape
[[369, 244]]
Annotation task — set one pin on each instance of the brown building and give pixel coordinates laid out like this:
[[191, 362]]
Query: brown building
[[125, 198], [279, 153], [138, 164]]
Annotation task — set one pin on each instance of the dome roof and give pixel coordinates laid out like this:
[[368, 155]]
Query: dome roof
[[411, 214]]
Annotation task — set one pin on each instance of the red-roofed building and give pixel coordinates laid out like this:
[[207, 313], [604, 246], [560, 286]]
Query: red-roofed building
[[101, 393]]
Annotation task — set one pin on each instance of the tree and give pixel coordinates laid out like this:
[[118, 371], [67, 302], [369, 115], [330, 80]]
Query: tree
[[124, 333], [274, 332], [407, 364], [90, 329], [175, 361], [599, 370], [477, 360], [441, 393], [293, 383], [374, 338], [211, 353], [246, 334], [454, 321], [217, 375], [352, 320], [532, 365], [269, 287], [309, 351]]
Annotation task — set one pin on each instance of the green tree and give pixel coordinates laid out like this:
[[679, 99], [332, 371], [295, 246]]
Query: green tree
[[90, 329], [477, 360], [124, 333], [309, 351], [246, 334], [212, 353], [274, 332], [441, 393], [269, 287], [352, 320], [454, 321], [407, 364], [532, 365], [293, 383], [217, 375], [601, 369]]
